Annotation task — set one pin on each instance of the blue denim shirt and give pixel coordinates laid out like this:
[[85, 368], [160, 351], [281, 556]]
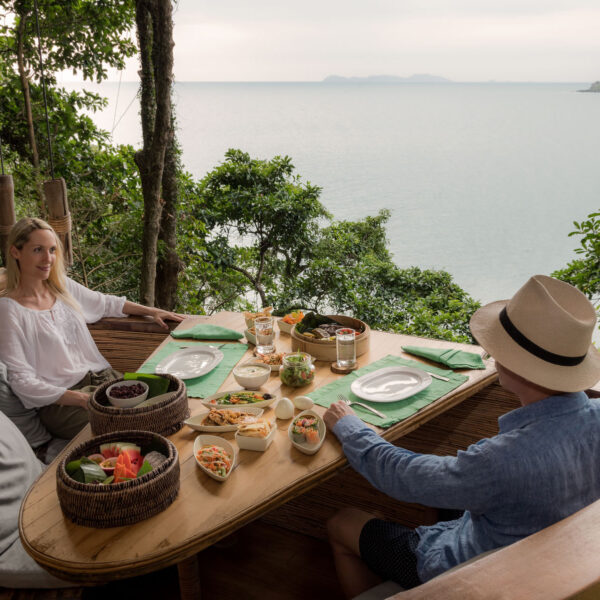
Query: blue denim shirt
[[542, 466]]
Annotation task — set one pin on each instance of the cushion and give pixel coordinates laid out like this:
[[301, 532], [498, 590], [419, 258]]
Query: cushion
[[26, 419]]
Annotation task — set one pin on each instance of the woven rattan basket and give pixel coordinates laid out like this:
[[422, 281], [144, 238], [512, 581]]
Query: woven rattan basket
[[118, 504], [164, 418]]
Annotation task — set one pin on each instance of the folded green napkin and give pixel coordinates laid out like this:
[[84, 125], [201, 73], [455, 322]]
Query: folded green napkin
[[206, 331], [393, 411], [455, 359], [157, 385], [206, 385]]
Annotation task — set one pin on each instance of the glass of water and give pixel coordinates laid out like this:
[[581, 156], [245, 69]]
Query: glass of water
[[265, 334], [345, 344]]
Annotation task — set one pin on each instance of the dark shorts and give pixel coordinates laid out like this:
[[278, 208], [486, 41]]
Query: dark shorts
[[388, 549]]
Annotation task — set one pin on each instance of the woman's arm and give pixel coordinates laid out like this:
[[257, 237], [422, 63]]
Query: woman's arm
[[158, 314]]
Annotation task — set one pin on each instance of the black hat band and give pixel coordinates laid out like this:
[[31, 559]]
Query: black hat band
[[532, 348]]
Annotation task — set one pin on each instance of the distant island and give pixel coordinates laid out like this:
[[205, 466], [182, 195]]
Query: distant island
[[417, 78], [594, 88]]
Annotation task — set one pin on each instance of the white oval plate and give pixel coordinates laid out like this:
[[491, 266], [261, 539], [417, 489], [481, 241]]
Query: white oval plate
[[203, 440], [390, 384], [190, 362], [196, 422], [215, 397]]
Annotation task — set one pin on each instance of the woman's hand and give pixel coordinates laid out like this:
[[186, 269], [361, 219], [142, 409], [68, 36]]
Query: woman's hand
[[159, 316], [335, 412], [74, 398]]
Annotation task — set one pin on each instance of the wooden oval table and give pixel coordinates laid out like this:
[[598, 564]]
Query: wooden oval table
[[205, 510]]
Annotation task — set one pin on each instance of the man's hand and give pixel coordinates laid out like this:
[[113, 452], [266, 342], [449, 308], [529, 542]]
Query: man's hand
[[335, 412]]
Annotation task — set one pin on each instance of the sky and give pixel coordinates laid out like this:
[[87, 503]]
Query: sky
[[462, 40]]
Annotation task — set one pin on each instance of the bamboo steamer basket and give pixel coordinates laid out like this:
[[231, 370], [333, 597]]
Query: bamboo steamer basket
[[325, 349]]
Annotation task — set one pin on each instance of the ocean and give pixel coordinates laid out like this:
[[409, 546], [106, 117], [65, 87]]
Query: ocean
[[483, 180]]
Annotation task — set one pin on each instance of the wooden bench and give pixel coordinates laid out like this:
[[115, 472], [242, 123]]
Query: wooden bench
[[559, 562]]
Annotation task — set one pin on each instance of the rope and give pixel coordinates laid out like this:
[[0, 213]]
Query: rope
[[125, 111], [117, 102], [37, 25], [5, 229], [61, 225]]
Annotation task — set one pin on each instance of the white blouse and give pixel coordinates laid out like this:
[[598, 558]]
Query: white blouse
[[48, 351]]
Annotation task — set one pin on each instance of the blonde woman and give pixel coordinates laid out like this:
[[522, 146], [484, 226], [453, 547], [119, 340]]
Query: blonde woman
[[44, 342]]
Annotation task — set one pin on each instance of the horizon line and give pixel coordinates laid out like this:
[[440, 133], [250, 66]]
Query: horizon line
[[347, 80]]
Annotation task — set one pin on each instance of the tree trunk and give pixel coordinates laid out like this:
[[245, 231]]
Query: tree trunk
[[169, 265], [155, 36], [28, 111]]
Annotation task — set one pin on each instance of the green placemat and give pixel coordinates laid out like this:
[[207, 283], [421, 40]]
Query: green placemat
[[208, 384], [394, 411]]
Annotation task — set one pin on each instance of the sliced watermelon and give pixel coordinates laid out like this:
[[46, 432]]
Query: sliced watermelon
[[107, 450], [114, 448], [135, 459], [128, 446]]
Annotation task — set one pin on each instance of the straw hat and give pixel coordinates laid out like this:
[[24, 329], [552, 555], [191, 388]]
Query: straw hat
[[543, 333]]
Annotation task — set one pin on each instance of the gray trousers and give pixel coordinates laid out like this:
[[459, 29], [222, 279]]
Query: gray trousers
[[67, 421]]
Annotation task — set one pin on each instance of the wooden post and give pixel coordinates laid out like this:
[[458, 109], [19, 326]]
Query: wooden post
[[7, 212], [55, 191], [189, 578]]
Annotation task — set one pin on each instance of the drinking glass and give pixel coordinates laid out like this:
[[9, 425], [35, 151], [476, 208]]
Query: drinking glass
[[265, 334], [345, 344]]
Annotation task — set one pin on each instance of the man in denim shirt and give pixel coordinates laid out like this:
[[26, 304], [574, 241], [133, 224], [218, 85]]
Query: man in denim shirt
[[541, 467]]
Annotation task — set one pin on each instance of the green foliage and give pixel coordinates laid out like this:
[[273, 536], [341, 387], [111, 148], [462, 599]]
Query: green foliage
[[86, 36], [270, 236], [584, 272]]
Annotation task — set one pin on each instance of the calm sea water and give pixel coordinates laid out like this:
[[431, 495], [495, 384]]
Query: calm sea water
[[483, 180]]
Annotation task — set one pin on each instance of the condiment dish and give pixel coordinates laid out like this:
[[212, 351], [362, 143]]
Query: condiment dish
[[127, 402]]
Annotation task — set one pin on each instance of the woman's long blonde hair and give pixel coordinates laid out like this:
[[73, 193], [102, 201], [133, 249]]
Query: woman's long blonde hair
[[57, 280]]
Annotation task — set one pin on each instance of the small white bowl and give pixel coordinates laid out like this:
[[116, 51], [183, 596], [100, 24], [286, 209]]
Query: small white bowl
[[322, 429], [252, 381], [250, 336], [127, 402], [245, 442], [285, 327], [203, 440]]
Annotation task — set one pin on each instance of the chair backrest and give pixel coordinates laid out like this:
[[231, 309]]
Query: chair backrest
[[559, 562]]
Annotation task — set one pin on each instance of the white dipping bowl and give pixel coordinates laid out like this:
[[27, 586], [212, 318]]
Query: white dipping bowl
[[127, 402], [251, 375]]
